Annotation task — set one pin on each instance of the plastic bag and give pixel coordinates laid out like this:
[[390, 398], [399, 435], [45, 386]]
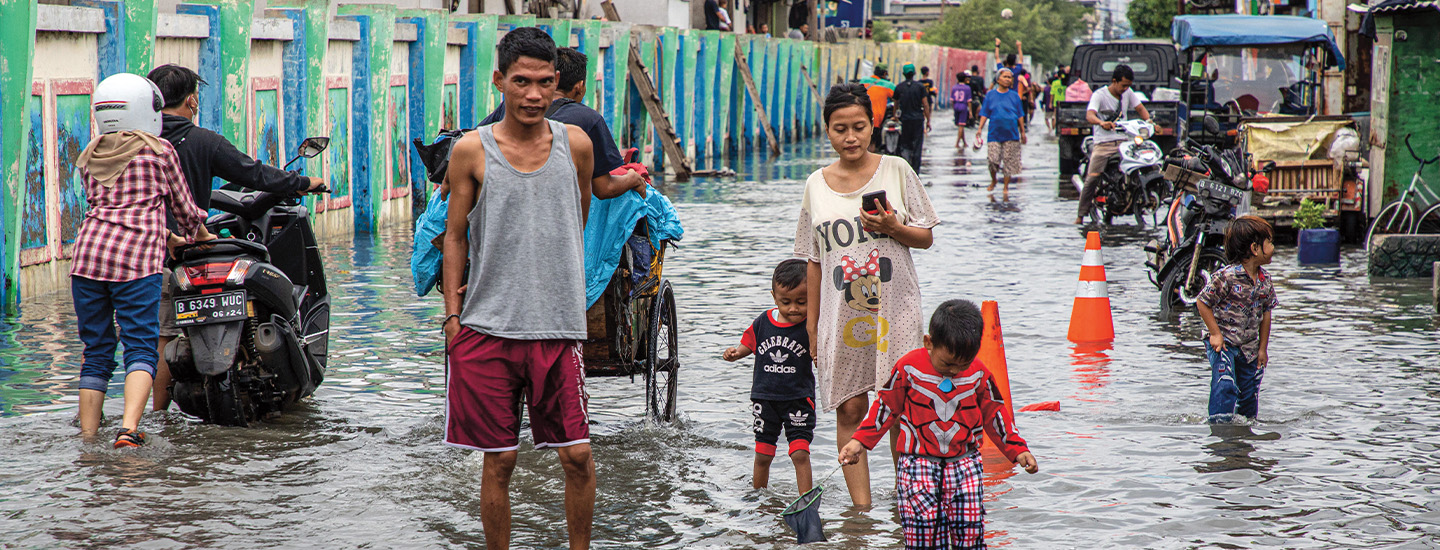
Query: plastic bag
[[426, 258]]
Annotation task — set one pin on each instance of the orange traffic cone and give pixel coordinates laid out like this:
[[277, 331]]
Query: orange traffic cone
[[1090, 319], [992, 355]]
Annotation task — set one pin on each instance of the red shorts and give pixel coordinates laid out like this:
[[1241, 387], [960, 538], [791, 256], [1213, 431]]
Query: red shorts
[[487, 378]]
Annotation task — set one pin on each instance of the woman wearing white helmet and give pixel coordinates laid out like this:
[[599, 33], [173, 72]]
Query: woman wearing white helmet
[[131, 178]]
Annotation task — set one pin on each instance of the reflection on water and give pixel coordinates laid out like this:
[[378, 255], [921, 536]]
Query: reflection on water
[[1233, 450], [1092, 368], [1342, 456]]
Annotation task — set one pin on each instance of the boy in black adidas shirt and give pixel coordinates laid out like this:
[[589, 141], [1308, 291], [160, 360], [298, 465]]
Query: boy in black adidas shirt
[[782, 394]]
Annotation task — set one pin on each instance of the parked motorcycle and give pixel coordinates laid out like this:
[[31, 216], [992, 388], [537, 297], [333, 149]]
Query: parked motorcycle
[[1210, 186], [1131, 183], [890, 132], [252, 306]]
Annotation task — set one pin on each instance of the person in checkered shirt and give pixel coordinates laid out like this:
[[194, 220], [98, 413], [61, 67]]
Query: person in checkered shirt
[[943, 400], [131, 178]]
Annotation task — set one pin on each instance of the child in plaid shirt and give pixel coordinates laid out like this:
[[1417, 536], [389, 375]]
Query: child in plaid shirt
[[943, 400], [1236, 306], [131, 178]]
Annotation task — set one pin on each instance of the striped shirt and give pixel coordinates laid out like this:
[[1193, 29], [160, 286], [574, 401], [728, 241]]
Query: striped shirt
[[123, 235]]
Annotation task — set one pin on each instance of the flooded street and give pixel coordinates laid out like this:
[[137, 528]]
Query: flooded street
[[1344, 453]]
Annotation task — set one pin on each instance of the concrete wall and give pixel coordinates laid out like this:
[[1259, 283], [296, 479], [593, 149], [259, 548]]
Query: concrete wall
[[371, 77], [660, 13]]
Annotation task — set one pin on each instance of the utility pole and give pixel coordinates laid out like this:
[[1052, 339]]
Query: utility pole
[[1108, 32], [815, 20]]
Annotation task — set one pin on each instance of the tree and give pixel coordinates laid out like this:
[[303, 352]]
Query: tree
[[1151, 18], [882, 32], [1048, 28]]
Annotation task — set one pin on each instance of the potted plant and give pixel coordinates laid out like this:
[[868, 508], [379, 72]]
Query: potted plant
[[1318, 245]]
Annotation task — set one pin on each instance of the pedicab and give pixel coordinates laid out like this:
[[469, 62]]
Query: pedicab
[[631, 320], [631, 326]]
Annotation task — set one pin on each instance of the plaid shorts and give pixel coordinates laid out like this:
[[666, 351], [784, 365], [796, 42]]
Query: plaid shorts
[[940, 502]]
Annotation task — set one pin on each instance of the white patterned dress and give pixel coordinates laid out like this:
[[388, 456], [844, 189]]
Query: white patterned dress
[[869, 294]]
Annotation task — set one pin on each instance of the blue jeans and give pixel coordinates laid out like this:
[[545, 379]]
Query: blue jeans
[[1234, 384], [99, 306]]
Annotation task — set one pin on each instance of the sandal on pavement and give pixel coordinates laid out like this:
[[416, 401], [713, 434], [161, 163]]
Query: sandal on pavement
[[129, 438]]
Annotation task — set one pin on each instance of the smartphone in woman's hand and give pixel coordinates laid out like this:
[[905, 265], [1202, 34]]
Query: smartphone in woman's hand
[[874, 202]]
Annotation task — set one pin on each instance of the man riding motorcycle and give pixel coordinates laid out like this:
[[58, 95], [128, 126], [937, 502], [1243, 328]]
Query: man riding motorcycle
[[205, 155], [880, 90], [1107, 105]]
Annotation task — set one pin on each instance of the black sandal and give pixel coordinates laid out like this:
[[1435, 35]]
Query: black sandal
[[129, 438]]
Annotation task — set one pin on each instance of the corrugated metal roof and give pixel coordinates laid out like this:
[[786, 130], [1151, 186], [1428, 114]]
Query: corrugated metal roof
[[1386, 7]]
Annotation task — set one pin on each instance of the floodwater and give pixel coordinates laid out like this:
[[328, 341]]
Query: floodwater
[[1343, 455]]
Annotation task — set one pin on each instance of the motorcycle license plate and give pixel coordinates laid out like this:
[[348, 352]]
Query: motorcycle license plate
[[1218, 189], [210, 308]]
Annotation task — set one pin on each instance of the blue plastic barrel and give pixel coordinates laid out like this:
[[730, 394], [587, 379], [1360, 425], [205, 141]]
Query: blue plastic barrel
[[1319, 246]]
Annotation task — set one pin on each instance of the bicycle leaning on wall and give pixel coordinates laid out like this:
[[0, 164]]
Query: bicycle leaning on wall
[[1398, 217]]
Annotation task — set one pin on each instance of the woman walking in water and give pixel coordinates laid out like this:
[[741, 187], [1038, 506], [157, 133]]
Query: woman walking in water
[[863, 294]]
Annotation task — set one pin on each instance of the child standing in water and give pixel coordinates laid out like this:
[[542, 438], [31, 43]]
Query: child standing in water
[[782, 394], [1236, 306], [942, 399], [863, 292]]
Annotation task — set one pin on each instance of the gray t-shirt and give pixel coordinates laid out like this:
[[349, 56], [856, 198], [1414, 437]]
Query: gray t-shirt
[[1107, 107], [527, 255]]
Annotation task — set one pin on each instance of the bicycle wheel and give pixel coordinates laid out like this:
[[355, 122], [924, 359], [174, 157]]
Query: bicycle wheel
[[1429, 222], [1395, 218]]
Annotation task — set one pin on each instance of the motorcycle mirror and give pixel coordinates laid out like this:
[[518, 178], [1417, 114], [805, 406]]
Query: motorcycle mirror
[[1212, 124], [313, 146]]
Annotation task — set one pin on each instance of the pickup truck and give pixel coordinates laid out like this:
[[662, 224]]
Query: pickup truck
[[1156, 65]]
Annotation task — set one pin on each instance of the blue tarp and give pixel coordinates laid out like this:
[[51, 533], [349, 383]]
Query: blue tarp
[[607, 229], [1189, 31]]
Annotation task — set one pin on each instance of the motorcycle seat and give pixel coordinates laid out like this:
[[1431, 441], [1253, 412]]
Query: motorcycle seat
[[222, 246]]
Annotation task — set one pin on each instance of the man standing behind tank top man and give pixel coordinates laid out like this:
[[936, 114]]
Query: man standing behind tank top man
[[611, 176], [517, 218]]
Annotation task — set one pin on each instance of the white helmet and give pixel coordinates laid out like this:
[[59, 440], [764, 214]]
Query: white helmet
[[127, 101]]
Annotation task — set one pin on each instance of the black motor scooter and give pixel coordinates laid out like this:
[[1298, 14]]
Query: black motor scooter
[[1210, 184], [890, 131], [252, 307]]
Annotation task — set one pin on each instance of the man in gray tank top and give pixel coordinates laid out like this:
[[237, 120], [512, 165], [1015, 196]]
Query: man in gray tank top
[[519, 193]]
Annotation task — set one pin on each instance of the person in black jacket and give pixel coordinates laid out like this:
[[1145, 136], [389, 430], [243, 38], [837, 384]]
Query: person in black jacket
[[204, 155], [912, 100]]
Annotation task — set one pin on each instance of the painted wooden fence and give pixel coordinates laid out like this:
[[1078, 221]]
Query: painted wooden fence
[[372, 78]]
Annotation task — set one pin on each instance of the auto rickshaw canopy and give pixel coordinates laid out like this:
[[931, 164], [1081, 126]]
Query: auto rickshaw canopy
[[1192, 31]]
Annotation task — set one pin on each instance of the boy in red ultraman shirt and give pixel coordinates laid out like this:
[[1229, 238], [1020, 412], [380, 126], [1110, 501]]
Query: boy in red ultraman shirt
[[943, 400]]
